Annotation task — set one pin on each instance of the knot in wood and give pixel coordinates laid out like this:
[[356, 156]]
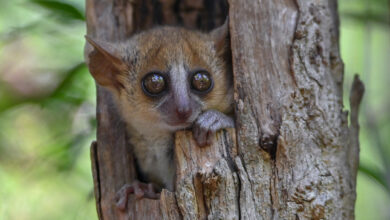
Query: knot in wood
[[269, 144]]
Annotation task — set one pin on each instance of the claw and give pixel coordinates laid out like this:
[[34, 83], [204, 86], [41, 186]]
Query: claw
[[207, 124]]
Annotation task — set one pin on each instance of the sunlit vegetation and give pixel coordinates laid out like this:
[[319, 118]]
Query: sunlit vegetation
[[47, 107]]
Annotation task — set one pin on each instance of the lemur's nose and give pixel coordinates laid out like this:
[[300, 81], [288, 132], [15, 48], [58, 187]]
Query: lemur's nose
[[183, 112]]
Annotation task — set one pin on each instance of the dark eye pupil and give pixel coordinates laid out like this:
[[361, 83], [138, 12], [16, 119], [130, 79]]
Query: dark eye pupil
[[201, 82], [154, 83]]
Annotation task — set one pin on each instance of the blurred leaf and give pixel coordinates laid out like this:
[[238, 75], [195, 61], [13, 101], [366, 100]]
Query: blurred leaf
[[62, 86], [61, 9], [367, 17], [15, 33], [70, 74], [64, 156], [374, 174], [93, 122], [376, 136]]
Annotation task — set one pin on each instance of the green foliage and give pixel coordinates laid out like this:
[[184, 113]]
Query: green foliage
[[365, 10], [47, 115], [365, 48], [377, 175], [66, 11], [60, 92]]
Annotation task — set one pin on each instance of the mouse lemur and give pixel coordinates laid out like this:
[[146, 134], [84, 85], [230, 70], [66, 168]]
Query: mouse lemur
[[163, 80]]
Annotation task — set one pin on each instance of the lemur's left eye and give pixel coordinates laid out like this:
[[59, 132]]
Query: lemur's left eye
[[153, 84], [202, 82]]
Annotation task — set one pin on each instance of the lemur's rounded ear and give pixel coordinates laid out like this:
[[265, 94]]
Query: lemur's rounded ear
[[220, 36], [105, 63]]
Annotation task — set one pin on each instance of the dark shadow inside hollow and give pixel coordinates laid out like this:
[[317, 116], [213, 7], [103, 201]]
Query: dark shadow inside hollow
[[203, 15]]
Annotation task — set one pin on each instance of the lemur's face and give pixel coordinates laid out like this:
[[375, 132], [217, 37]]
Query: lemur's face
[[164, 78]]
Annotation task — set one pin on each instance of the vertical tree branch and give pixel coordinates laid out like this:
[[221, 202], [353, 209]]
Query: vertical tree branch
[[355, 99]]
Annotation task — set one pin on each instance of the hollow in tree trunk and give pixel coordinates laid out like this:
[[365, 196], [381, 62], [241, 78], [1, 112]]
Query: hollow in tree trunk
[[292, 154]]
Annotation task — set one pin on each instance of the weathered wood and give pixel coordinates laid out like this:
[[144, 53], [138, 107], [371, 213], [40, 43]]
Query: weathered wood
[[292, 155], [168, 206], [112, 160], [207, 185], [261, 37], [288, 76]]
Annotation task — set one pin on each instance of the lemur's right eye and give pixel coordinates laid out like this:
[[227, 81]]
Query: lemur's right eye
[[153, 84]]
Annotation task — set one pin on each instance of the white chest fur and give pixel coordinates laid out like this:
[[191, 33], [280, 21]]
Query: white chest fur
[[154, 155]]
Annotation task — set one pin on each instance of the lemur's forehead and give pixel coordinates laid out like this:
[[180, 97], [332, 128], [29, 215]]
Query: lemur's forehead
[[160, 49]]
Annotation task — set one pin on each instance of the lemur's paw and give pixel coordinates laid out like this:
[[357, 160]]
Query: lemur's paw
[[140, 190], [207, 124]]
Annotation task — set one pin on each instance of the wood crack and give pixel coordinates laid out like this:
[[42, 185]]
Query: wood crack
[[96, 177]]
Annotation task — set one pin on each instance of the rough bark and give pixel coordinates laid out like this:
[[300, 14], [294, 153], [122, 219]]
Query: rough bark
[[292, 154]]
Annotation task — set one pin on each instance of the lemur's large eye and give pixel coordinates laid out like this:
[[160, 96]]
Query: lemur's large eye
[[153, 84], [202, 82]]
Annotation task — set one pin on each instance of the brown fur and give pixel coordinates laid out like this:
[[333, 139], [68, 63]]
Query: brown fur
[[160, 49]]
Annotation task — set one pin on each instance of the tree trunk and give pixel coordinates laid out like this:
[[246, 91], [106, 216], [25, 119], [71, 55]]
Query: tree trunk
[[292, 154]]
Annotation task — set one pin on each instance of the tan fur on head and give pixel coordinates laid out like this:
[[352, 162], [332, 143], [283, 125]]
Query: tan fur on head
[[122, 66]]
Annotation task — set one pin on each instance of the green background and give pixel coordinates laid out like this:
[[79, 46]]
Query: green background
[[47, 106]]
